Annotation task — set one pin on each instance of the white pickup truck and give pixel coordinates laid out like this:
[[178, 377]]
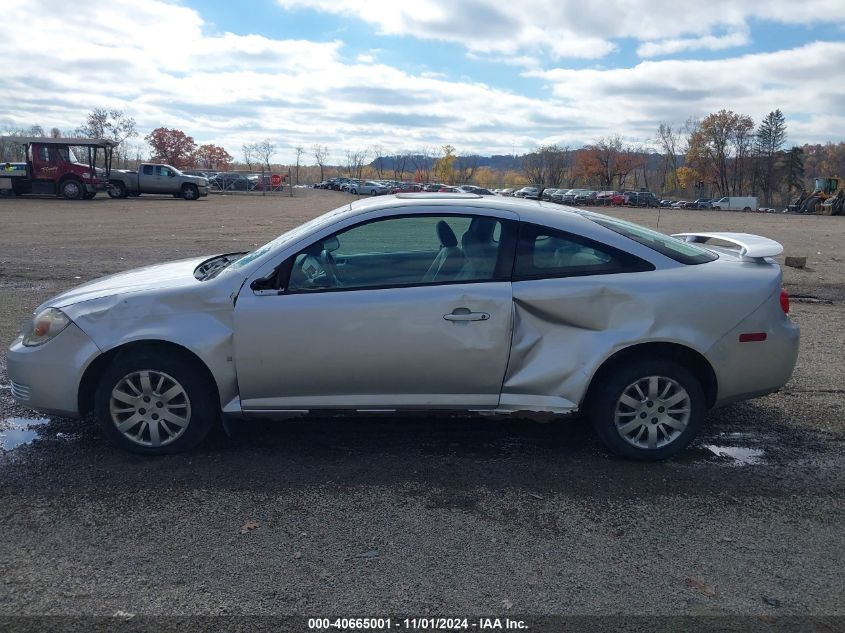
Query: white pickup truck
[[735, 203], [154, 178]]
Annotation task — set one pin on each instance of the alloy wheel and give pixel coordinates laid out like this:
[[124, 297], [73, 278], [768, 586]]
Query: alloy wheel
[[652, 412], [150, 408]]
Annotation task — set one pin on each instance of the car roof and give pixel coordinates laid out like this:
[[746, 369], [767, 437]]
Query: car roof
[[535, 211]]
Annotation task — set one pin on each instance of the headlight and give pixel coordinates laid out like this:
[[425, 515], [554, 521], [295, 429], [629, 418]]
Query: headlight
[[44, 326]]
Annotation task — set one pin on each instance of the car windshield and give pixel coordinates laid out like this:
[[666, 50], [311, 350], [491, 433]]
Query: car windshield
[[284, 238], [671, 247]]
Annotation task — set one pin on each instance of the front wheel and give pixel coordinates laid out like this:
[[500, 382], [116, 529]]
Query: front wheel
[[155, 403], [648, 410], [72, 189], [190, 192]]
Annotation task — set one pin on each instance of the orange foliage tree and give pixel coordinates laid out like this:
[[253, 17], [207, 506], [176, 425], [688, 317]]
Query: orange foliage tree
[[173, 147]]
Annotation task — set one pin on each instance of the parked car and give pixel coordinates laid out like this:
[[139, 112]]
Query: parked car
[[569, 196], [230, 181], [154, 178], [736, 203], [604, 198], [585, 198], [369, 188], [432, 186], [641, 199], [532, 192], [548, 192], [448, 189], [480, 191], [507, 192], [512, 309], [700, 203], [406, 187]]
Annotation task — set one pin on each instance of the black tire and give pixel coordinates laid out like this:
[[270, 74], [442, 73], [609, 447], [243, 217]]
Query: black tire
[[603, 405], [747, 209], [117, 190], [72, 189], [200, 393], [190, 192]]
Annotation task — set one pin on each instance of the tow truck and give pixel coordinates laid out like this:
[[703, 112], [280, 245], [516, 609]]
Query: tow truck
[[52, 167]]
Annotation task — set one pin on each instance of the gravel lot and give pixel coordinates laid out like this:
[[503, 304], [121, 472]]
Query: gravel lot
[[421, 515]]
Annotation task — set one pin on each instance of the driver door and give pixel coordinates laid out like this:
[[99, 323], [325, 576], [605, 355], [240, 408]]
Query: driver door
[[362, 322]]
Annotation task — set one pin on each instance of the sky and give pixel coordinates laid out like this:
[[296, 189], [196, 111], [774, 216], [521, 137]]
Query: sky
[[486, 76]]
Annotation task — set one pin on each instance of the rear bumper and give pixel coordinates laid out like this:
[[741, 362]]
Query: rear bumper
[[753, 369], [47, 377]]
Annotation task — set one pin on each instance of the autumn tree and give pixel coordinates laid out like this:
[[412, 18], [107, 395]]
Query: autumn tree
[[173, 147], [688, 178], [444, 167], [718, 149], [212, 157]]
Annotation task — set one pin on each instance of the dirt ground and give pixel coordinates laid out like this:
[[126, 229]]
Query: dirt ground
[[419, 515]]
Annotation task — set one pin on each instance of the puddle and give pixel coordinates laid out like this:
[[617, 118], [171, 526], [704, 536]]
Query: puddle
[[19, 431], [740, 455]]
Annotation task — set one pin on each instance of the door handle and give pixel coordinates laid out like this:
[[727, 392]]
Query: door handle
[[466, 316]]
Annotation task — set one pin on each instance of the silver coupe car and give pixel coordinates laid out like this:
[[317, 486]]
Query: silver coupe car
[[423, 301]]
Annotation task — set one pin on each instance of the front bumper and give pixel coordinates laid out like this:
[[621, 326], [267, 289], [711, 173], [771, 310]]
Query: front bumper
[[203, 190], [47, 377]]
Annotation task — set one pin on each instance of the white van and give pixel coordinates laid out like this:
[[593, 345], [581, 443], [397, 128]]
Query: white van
[[735, 203]]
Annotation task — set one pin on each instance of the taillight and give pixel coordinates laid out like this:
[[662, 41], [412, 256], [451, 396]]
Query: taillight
[[784, 301]]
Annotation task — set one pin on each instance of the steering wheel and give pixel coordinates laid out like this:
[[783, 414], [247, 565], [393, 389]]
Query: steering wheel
[[330, 267], [319, 271]]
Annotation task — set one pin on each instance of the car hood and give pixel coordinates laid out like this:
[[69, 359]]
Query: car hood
[[157, 277]]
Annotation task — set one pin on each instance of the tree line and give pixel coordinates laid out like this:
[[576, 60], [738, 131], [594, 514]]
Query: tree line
[[724, 153]]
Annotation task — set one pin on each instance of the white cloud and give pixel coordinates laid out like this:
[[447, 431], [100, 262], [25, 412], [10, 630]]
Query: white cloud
[[162, 64], [669, 46], [560, 29]]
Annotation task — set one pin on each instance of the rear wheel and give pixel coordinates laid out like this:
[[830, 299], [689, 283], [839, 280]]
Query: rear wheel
[[154, 403], [648, 410], [747, 209], [190, 192], [72, 189]]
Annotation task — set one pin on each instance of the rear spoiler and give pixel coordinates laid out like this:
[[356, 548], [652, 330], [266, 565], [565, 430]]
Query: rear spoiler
[[752, 247]]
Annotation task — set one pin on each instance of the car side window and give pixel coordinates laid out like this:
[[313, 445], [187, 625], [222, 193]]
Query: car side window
[[148, 170], [543, 252], [401, 251]]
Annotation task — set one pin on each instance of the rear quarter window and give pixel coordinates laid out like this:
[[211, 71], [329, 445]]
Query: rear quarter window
[[545, 253], [671, 247]]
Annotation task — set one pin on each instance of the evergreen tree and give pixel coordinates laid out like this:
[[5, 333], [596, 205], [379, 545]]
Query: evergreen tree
[[771, 135]]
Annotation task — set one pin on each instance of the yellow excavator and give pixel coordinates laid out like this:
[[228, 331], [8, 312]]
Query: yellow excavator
[[827, 198]]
